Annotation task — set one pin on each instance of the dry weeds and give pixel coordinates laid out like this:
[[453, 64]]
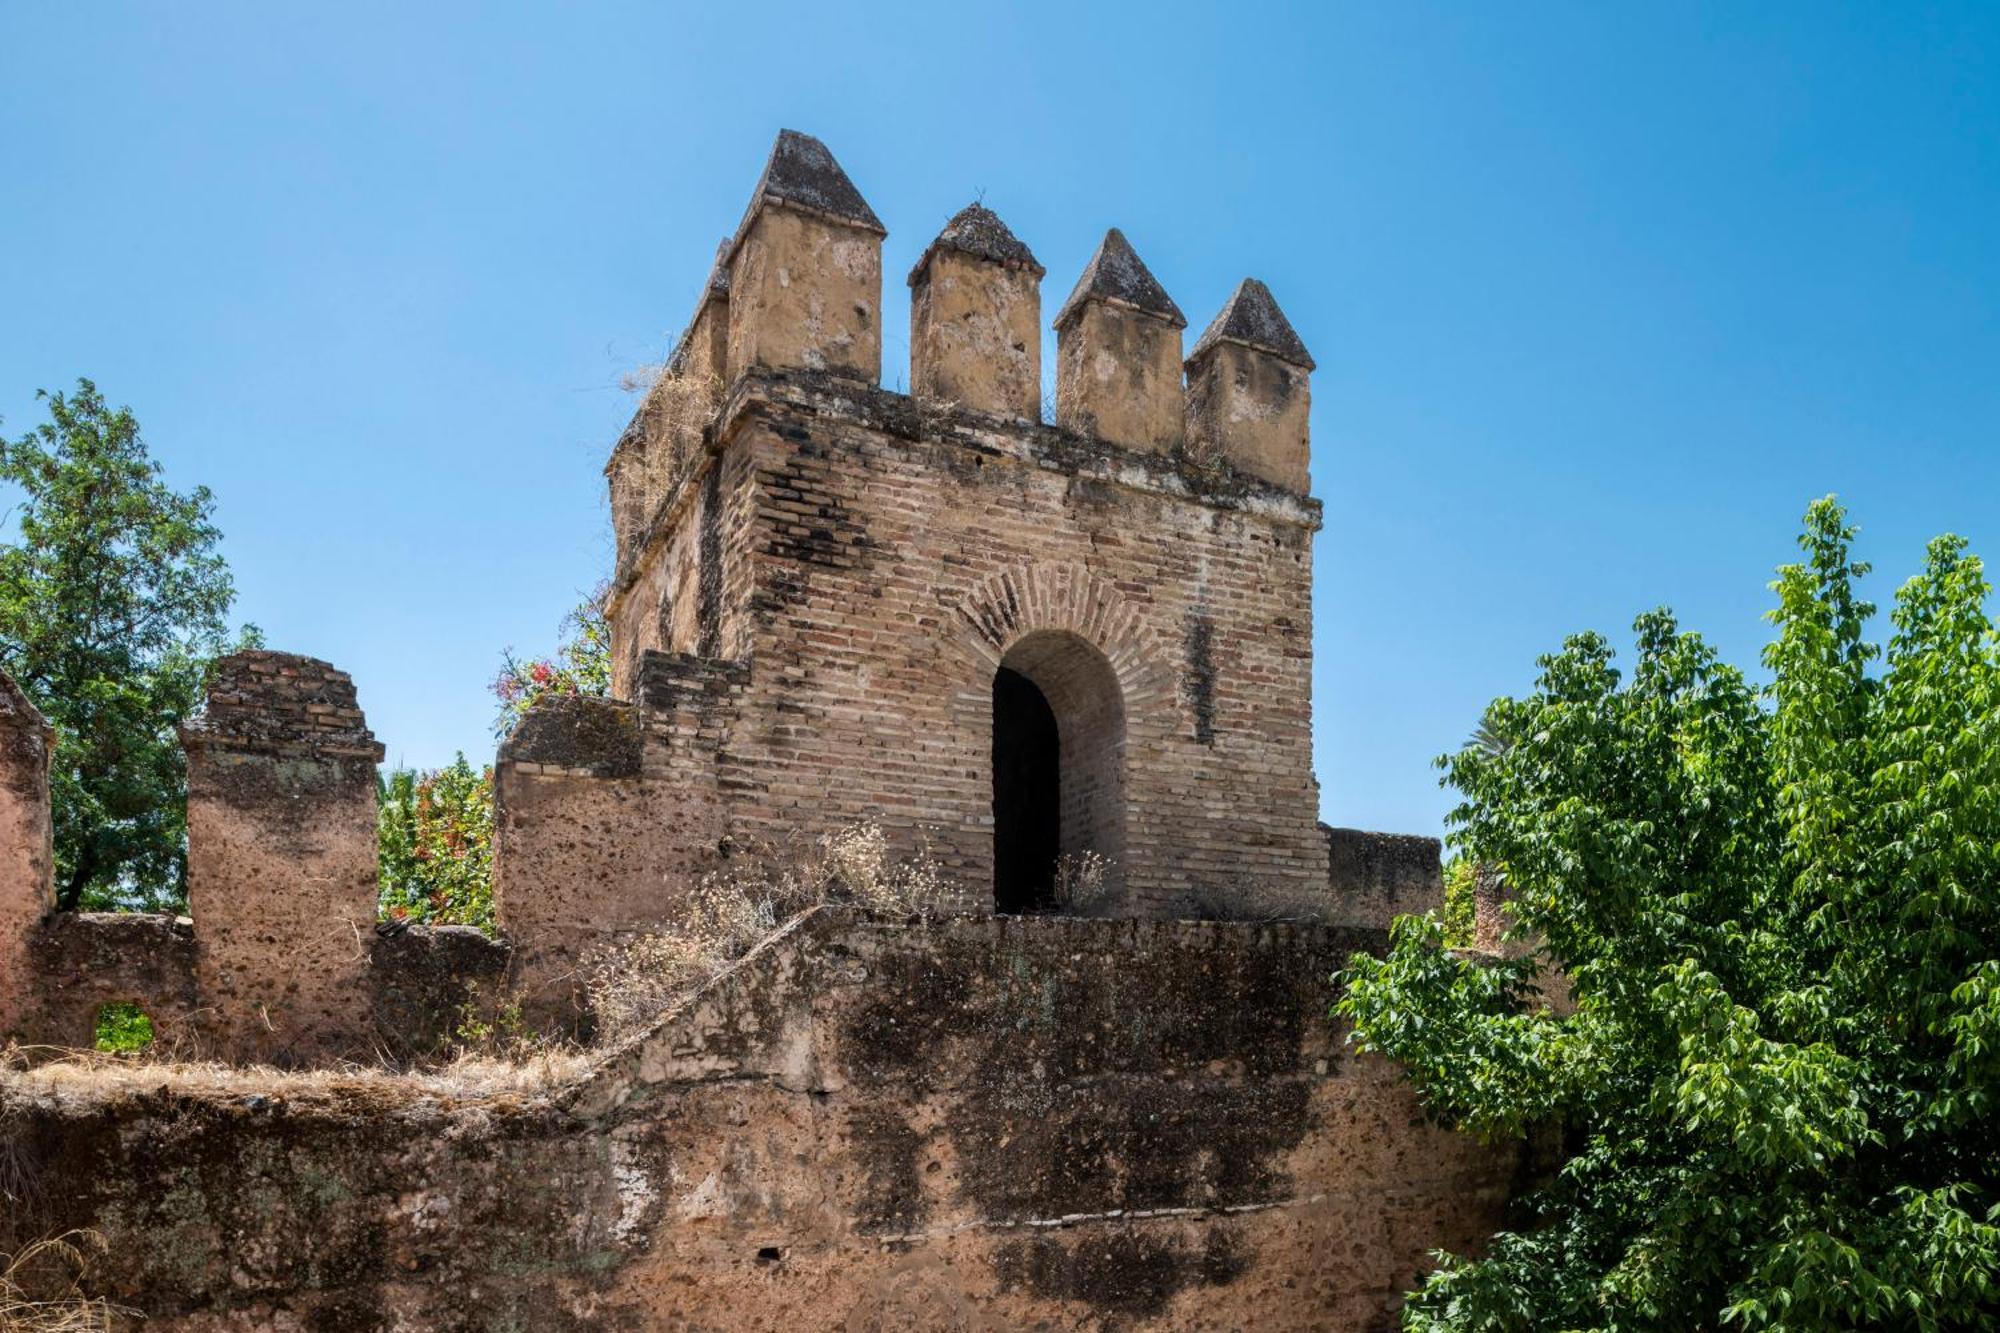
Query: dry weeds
[[465, 1077], [1082, 881], [735, 908], [42, 1287]]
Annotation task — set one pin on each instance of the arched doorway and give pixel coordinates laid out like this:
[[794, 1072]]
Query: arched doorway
[[1058, 766]]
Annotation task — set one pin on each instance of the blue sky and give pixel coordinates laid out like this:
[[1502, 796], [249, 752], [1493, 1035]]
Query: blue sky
[[1600, 295]]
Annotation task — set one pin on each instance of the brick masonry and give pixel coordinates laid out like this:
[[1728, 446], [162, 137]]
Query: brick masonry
[[985, 1121]]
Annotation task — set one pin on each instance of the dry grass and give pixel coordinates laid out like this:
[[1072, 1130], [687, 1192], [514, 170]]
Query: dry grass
[[1082, 882], [729, 913], [467, 1076], [733, 909], [42, 1288]]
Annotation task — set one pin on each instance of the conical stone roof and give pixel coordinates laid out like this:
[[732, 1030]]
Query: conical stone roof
[[977, 230], [801, 173], [1251, 317], [1116, 273]]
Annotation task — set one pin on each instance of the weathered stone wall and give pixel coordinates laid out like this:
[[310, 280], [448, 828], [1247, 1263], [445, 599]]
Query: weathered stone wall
[[605, 816], [281, 857], [81, 961], [283, 961], [27, 851], [422, 983], [1377, 877], [990, 1123]]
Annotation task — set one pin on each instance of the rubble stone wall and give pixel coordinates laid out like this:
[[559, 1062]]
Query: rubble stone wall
[[989, 1123]]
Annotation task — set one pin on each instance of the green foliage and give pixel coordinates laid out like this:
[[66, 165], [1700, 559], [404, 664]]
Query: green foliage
[[1779, 909], [122, 1028], [582, 665], [1461, 901], [111, 605], [435, 833], [485, 1029]]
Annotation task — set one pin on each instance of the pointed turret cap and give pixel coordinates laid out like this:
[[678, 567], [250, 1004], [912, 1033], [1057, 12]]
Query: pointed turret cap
[[977, 230], [1115, 273], [802, 174], [718, 273], [1251, 317]]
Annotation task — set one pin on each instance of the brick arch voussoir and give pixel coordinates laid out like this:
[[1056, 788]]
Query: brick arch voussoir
[[1007, 606]]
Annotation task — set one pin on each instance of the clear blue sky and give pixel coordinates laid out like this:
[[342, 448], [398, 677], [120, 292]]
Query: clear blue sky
[[1600, 295]]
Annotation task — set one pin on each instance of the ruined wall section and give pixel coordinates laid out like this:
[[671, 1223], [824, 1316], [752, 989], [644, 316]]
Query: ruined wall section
[[606, 815], [281, 857], [986, 1123], [1377, 877], [27, 848], [79, 962]]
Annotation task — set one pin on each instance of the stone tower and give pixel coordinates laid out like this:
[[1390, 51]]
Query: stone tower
[[1007, 640]]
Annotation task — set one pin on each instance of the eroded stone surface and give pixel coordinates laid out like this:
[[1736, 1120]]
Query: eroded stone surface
[[986, 1123]]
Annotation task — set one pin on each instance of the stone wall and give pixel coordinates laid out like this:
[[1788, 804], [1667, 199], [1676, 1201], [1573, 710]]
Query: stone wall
[[27, 854], [871, 560], [282, 961], [992, 1123], [281, 856], [1377, 877]]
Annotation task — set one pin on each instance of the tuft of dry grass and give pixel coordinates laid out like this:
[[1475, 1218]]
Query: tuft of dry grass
[[466, 1076], [1082, 881], [42, 1288], [733, 909]]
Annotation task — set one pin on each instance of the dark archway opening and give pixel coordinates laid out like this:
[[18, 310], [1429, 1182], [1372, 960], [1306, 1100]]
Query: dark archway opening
[[1027, 795]]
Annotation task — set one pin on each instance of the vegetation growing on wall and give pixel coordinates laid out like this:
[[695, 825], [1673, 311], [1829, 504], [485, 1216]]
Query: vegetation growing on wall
[[733, 909], [1779, 909], [112, 602], [582, 665]]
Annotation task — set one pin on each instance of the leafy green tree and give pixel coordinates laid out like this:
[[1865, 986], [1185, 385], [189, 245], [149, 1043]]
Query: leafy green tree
[[1779, 911], [112, 602], [435, 832], [582, 665]]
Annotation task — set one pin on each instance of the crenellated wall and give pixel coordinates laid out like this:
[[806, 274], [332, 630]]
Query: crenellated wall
[[819, 585], [281, 962], [872, 561], [997, 638]]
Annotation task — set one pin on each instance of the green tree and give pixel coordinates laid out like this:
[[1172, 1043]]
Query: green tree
[[435, 832], [582, 665], [112, 602], [1779, 911]]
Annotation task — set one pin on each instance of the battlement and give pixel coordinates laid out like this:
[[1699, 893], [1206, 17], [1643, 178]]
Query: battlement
[[798, 287], [1025, 649], [281, 703]]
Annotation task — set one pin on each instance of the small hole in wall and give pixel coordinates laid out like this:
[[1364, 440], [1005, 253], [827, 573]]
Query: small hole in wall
[[123, 1027], [770, 1254]]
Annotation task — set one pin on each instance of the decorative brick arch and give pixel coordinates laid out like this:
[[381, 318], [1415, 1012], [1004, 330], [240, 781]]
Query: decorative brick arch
[[1100, 664], [998, 612]]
